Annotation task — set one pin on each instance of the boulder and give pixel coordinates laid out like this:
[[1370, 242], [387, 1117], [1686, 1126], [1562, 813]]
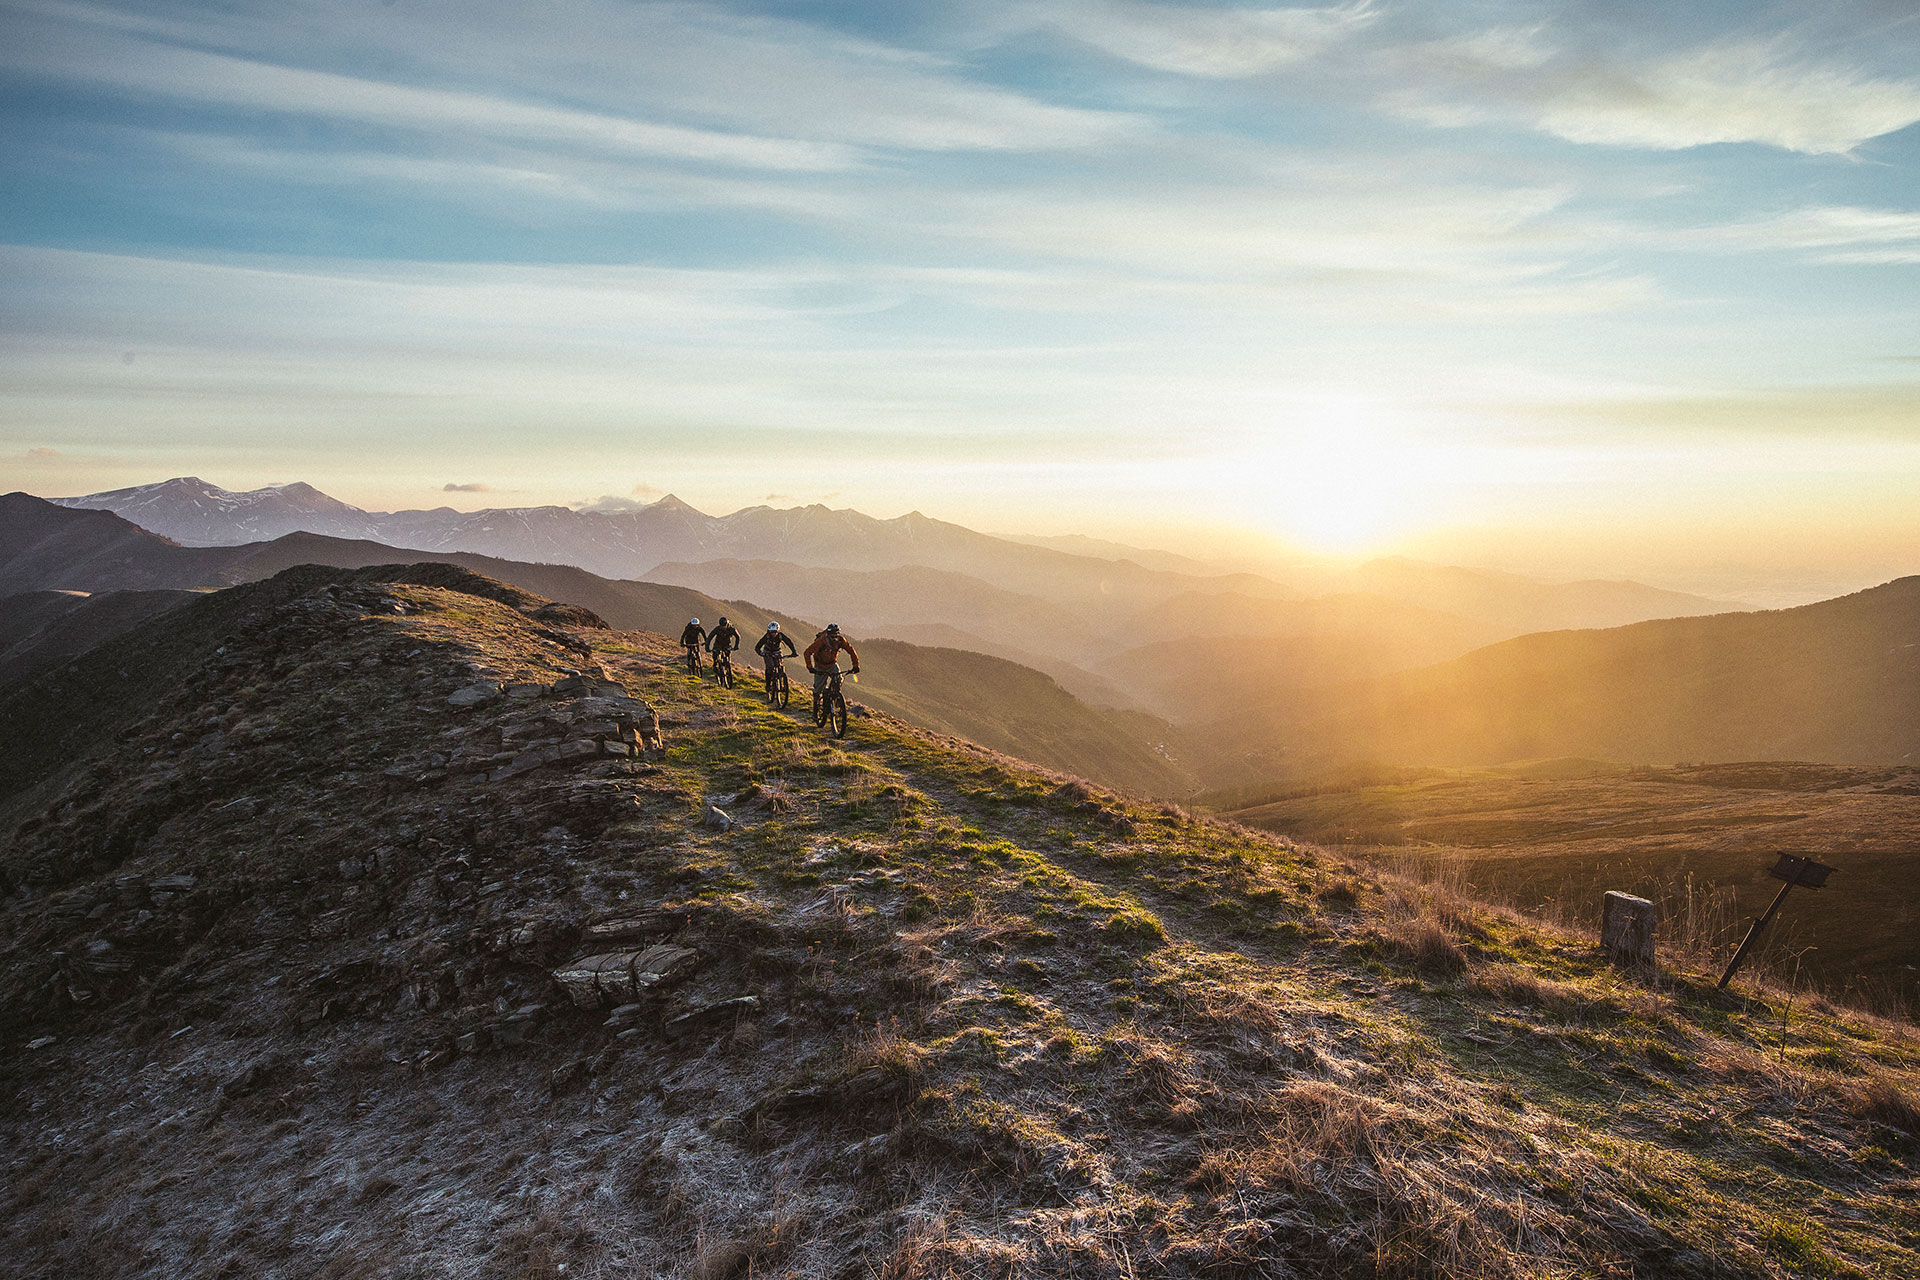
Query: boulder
[[1626, 928], [624, 977], [580, 686], [718, 820], [472, 695]]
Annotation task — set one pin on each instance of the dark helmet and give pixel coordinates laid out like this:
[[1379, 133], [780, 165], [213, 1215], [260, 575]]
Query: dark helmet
[[723, 622], [833, 628]]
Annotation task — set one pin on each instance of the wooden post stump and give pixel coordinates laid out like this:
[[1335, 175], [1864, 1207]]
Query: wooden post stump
[[1626, 928]]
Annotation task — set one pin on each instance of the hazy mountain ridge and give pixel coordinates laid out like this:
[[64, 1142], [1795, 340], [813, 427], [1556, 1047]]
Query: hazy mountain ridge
[[911, 595], [1835, 682], [629, 542], [1519, 604], [1079, 604], [294, 948], [997, 703], [195, 513]]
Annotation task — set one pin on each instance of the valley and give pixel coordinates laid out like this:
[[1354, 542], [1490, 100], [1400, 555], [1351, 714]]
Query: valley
[[1552, 837]]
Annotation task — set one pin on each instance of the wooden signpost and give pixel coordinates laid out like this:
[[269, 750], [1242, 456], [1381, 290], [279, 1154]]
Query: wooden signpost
[[1793, 870]]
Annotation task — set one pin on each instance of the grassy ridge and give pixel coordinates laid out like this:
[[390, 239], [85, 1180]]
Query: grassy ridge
[[952, 1016]]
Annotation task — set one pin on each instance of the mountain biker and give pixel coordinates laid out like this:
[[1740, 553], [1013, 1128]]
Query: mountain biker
[[768, 646], [691, 638], [725, 638], [823, 656]]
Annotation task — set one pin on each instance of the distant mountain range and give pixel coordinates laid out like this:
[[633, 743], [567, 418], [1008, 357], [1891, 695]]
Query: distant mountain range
[[1118, 626], [631, 541], [634, 540], [1252, 683]]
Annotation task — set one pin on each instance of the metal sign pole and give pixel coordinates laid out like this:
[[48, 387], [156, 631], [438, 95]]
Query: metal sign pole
[[1746, 943], [1794, 870]]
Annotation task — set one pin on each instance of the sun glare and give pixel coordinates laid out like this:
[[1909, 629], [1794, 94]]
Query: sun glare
[[1342, 480]]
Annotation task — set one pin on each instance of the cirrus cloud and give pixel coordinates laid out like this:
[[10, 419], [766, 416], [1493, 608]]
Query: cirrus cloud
[[1734, 90]]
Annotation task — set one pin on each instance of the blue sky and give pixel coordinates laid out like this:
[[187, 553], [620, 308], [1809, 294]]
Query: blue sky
[[1610, 287]]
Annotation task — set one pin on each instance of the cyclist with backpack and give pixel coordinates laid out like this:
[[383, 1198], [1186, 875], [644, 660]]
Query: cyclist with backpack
[[721, 644], [725, 638], [823, 657]]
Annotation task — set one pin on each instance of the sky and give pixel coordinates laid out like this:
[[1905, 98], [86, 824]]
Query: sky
[[1568, 288]]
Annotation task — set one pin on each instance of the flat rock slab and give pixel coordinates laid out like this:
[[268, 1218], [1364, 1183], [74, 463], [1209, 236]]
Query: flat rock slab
[[623, 977]]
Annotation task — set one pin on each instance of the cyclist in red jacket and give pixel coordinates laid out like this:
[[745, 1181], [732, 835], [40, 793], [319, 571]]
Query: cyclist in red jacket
[[823, 656]]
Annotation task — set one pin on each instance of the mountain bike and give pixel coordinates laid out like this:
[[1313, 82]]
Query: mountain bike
[[723, 667], [779, 688], [830, 707], [693, 658]]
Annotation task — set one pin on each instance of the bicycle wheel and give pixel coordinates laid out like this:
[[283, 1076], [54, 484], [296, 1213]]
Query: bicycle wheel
[[693, 660], [819, 707], [725, 666], [782, 691], [837, 712]]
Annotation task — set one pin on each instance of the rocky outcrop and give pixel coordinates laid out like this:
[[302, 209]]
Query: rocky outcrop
[[623, 977]]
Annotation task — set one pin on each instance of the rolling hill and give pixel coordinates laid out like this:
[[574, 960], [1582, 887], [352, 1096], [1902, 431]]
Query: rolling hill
[[1835, 682]]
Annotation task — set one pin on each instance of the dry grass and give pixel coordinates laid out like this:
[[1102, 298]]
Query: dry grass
[[1884, 1099], [1419, 926]]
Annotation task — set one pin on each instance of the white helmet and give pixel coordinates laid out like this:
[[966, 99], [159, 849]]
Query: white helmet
[[773, 626], [693, 622]]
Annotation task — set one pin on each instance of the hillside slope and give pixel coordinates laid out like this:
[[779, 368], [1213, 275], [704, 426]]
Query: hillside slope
[[42, 629], [308, 970], [1836, 682]]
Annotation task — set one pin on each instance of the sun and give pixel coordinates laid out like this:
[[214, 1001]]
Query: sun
[[1341, 480]]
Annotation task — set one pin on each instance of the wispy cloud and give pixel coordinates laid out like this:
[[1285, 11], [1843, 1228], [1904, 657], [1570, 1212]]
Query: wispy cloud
[[1827, 233], [1199, 41], [471, 487], [151, 69], [670, 81], [1733, 90]]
